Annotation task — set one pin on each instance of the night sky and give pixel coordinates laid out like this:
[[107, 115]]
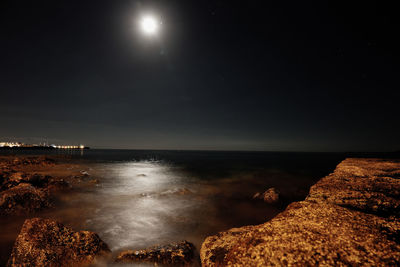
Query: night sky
[[221, 75]]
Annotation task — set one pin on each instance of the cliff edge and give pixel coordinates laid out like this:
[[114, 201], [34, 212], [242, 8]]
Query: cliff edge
[[350, 217]]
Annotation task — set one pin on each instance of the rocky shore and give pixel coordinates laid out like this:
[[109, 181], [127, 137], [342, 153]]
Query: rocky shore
[[44, 242], [350, 217], [30, 183]]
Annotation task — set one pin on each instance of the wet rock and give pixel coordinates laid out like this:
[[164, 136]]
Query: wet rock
[[257, 195], [48, 161], [17, 177], [56, 185], [37, 179], [94, 181], [270, 196], [22, 199], [175, 191], [22, 191], [12, 179], [175, 254], [349, 218], [34, 160], [44, 242], [84, 173]]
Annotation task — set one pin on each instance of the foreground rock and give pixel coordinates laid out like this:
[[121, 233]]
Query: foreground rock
[[338, 224], [175, 254], [44, 242], [369, 185]]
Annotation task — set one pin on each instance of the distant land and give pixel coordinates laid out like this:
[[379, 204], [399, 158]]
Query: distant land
[[23, 146]]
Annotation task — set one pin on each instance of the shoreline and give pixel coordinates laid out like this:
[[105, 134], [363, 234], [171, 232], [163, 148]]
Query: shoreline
[[32, 185], [350, 217]]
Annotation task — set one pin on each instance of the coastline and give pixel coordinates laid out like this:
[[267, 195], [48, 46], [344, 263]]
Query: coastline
[[32, 185], [350, 217]]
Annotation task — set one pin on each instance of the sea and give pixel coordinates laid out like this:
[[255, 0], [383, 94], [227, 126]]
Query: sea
[[147, 197]]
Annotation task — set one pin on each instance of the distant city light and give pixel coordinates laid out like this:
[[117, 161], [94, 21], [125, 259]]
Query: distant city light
[[10, 144], [22, 145]]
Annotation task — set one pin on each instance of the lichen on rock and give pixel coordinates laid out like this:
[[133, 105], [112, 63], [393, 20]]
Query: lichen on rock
[[22, 199], [45, 242], [174, 254], [349, 218]]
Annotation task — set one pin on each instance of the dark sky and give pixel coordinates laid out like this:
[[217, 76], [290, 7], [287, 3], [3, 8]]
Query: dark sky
[[229, 75]]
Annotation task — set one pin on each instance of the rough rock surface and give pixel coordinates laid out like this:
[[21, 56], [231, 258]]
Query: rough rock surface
[[24, 185], [22, 199], [349, 218], [44, 242], [270, 196], [175, 254], [369, 185]]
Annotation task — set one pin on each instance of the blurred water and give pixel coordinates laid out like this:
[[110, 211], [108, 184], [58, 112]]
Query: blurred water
[[150, 197]]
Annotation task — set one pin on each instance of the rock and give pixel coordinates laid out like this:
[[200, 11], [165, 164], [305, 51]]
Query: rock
[[176, 254], [56, 185], [22, 199], [369, 185], [44, 242], [307, 233], [23, 191], [337, 224], [94, 181], [47, 161], [33, 160], [37, 179], [11, 180], [84, 173], [17, 177], [271, 196]]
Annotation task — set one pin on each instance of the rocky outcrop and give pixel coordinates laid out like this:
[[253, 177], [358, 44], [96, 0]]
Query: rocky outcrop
[[22, 199], [44, 242], [349, 218], [175, 254], [368, 185], [22, 189], [15, 161], [17, 178]]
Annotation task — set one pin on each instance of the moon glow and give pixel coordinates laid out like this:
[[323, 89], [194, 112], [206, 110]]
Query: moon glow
[[149, 25]]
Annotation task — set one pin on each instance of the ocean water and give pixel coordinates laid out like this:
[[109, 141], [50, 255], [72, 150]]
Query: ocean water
[[156, 197]]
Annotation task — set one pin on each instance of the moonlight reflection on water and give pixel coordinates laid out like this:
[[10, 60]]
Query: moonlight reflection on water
[[140, 204], [186, 196]]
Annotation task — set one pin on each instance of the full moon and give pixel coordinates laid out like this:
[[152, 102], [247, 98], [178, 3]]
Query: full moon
[[149, 25]]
